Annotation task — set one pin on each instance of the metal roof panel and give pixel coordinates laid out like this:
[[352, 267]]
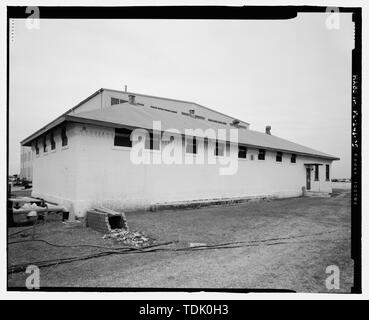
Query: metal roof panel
[[143, 117]]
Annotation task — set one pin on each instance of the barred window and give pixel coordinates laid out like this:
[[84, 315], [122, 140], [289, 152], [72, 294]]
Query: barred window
[[242, 152], [52, 141], [191, 146], [36, 148], [122, 137], [64, 136], [166, 142], [153, 142], [219, 148], [45, 144], [293, 158], [279, 156], [261, 155]]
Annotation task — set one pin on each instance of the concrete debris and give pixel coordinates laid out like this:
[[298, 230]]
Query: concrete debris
[[133, 238]]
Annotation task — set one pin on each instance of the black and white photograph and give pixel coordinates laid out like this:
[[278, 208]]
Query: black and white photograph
[[184, 149]]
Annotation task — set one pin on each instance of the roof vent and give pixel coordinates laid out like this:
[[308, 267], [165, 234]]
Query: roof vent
[[132, 98], [192, 113], [267, 130]]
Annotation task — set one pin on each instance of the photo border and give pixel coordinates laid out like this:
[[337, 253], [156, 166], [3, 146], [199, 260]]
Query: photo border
[[221, 13]]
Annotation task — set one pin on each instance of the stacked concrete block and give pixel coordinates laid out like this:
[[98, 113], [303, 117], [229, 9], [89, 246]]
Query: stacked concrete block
[[98, 221], [104, 220]]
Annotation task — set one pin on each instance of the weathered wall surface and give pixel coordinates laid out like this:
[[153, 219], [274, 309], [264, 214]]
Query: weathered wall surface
[[26, 167], [106, 175], [54, 171], [92, 171]]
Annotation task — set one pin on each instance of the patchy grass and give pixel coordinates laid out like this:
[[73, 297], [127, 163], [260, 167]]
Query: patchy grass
[[309, 235]]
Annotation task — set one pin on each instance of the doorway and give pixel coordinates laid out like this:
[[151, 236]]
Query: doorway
[[308, 178]]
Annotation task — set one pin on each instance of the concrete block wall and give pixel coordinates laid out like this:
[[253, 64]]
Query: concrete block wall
[[98, 221]]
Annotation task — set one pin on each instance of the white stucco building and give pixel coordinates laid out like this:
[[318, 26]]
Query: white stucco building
[[26, 163], [84, 157]]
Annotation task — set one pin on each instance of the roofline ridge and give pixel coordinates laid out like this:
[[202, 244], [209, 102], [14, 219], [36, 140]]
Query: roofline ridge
[[64, 113], [177, 100]]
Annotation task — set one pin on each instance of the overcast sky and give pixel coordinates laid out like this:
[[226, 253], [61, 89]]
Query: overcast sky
[[294, 75]]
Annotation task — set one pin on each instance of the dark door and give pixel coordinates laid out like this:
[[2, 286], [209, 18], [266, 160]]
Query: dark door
[[308, 178]]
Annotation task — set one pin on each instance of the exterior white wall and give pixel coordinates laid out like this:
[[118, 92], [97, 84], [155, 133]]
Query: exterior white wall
[[26, 167], [92, 171], [54, 172]]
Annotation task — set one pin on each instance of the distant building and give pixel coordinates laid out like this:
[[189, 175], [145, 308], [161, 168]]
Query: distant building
[[26, 162], [83, 158]]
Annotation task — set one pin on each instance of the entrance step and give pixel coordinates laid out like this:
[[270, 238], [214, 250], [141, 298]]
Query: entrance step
[[317, 194]]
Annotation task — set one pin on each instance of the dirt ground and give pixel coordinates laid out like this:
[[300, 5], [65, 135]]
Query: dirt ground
[[279, 244]]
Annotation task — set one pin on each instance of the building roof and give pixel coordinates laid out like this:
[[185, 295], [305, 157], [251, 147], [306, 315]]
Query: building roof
[[178, 102], [136, 116], [133, 116], [179, 105]]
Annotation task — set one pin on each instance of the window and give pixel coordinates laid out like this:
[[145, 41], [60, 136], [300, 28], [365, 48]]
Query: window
[[153, 143], [242, 152], [36, 147], [52, 141], [219, 148], [316, 174], [327, 177], [293, 158], [191, 145], [114, 101], [122, 137], [261, 155], [166, 142], [64, 136], [228, 148], [279, 156], [45, 144]]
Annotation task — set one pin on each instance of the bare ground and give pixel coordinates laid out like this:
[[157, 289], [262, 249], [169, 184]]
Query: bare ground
[[286, 244]]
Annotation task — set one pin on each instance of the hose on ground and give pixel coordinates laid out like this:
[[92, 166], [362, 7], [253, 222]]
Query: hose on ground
[[154, 248]]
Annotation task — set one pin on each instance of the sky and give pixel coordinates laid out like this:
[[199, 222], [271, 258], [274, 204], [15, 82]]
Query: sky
[[294, 75]]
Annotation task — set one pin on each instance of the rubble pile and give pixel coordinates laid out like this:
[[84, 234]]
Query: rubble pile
[[132, 238]]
